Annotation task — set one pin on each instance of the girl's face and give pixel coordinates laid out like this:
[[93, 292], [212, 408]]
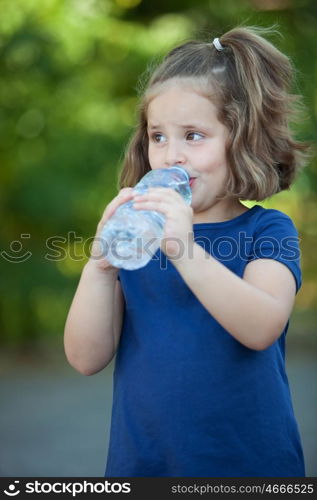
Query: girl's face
[[183, 130]]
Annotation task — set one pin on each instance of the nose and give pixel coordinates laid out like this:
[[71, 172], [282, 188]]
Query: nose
[[174, 154]]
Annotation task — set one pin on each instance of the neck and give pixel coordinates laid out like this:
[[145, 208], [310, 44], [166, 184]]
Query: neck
[[220, 212]]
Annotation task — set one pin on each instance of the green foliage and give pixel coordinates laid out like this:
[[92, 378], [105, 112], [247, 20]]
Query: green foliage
[[68, 89]]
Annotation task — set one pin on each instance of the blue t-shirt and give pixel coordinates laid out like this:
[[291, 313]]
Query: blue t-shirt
[[188, 399]]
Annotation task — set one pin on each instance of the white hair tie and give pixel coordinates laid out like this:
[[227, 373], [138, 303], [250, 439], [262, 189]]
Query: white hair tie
[[217, 44]]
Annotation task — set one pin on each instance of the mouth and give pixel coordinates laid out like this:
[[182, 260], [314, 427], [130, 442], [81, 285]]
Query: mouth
[[192, 180]]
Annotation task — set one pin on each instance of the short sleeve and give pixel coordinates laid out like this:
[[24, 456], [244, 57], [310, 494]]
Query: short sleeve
[[276, 237]]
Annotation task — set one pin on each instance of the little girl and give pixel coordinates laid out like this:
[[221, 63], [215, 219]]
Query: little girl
[[200, 388]]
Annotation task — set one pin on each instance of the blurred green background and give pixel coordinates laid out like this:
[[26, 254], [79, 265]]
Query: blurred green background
[[69, 74]]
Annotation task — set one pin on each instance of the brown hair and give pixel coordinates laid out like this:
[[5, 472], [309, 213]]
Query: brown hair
[[249, 81]]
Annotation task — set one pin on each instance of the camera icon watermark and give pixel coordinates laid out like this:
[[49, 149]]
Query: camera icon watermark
[[12, 490], [16, 247]]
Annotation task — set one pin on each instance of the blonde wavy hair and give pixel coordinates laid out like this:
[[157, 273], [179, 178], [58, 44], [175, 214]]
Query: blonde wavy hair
[[250, 81]]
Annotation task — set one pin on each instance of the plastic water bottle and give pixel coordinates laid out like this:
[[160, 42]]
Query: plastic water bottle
[[130, 237]]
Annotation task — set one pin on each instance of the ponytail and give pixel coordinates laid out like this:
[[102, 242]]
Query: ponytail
[[258, 106]]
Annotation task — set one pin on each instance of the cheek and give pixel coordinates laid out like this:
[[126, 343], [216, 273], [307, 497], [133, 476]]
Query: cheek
[[154, 155], [215, 167], [215, 176], [150, 156], [213, 159]]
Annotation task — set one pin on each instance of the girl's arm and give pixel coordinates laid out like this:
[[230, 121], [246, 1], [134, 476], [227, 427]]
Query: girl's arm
[[94, 321], [254, 309], [93, 325]]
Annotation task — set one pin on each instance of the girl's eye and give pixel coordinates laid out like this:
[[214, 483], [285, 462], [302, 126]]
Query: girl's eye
[[157, 138], [194, 136]]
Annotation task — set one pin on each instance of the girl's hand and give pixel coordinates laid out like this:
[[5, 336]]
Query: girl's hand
[[96, 258], [178, 230]]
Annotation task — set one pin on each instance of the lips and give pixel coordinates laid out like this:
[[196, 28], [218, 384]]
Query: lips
[[191, 181]]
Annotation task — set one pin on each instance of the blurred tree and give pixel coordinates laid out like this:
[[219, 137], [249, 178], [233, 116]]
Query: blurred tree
[[68, 90]]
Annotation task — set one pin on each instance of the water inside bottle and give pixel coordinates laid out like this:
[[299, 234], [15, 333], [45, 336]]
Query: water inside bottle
[[130, 240]]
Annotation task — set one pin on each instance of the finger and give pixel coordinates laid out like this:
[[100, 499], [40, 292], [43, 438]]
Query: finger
[[167, 193], [156, 195], [159, 190], [165, 190], [158, 206], [124, 195], [174, 203]]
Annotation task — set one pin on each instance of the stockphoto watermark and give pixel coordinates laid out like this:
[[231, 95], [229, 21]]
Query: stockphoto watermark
[[225, 248], [64, 487]]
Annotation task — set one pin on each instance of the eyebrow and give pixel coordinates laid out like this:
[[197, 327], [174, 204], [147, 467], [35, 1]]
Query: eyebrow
[[189, 126]]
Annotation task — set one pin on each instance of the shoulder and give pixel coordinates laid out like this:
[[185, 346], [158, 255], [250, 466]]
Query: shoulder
[[275, 237], [274, 222]]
